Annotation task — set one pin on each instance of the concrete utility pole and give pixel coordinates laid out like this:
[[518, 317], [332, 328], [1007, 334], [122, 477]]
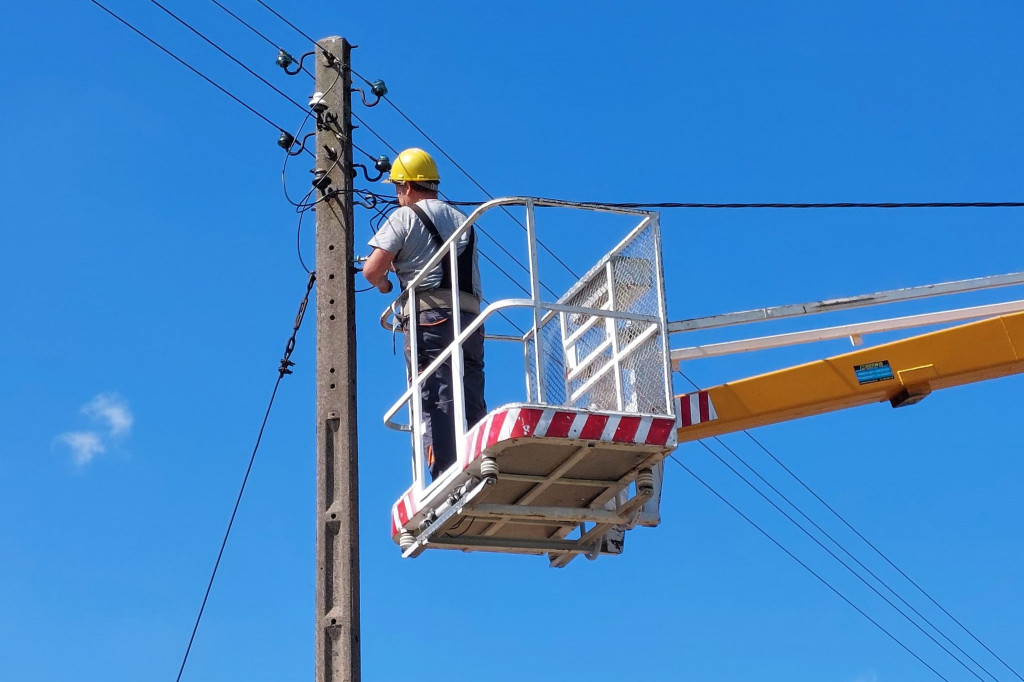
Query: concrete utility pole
[[337, 472]]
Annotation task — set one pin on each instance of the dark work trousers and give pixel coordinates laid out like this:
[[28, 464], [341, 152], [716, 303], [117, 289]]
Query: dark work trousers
[[435, 332]]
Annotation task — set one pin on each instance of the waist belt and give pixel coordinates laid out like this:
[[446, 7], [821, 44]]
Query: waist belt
[[441, 299]]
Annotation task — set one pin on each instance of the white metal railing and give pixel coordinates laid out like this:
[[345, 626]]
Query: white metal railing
[[853, 331], [623, 328]]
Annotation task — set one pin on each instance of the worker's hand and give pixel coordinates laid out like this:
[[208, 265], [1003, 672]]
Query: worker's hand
[[386, 286]]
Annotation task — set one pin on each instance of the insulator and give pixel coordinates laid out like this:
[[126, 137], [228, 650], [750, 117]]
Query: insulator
[[406, 540], [645, 482], [383, 164], [286, 140], [321, 180], [489, 469], [284, 60], [317, 103], [378, 88]]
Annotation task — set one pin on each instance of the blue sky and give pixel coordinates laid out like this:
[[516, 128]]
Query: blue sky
[[150, 280]]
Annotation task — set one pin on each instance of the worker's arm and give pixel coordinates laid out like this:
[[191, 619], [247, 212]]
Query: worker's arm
[[376, 267]]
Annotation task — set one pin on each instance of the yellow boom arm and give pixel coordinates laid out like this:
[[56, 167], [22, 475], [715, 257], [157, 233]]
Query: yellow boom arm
[[902, 372]]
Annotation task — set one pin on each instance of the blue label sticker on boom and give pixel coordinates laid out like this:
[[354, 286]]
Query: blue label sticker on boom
[[872, 372]]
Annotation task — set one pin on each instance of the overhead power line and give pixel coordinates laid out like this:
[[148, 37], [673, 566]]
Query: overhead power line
[[228, 55], [883, 205], [806, 567], [248, 25], [187, 65], [847, 552], [297, 29], [883, 555], [841, 562], [283, 369], [928, 204], [474, 181]]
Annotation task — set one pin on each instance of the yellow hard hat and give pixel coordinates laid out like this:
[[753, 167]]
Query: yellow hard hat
[[414, 165]]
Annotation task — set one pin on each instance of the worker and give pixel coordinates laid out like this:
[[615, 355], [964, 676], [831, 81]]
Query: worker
[[405, 243]]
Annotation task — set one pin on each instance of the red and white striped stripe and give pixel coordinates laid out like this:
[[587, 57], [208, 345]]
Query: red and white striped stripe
[[694, 408], [512, 422], [534, 422], [402, 511]]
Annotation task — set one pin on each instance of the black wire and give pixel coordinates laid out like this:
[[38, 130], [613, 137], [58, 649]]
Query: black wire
[[855, 559], [473, 180], [254, 30], [480, 251], [365, 153], [228, 55], [834, 556], [249, 26], [300, 31], [929, 204], [445, 197], [881, 554], [298, 134], [382, 215], [361, 77], [284, 185], [806, 567], [375, 133], [282, 371], [231, 521], [848, 553], [932, 204], [484, 232], [298, 243], [472, 520], [187, 65], [395, 151]]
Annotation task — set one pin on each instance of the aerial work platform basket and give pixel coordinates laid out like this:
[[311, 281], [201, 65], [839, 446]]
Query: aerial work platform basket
[[574, 461]]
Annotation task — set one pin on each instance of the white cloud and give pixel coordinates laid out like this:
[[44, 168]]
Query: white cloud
[[109, 410], [112, 410], [869, 676], [85, 445]]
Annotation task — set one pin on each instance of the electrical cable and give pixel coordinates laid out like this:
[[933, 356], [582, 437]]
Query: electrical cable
[[881, 554], [806, 567], [375, 133], [254, 30], [485, 256], [926, 204], [864, 539], [484, 232], [883, 205], [187, 65], [228, 55], [473, 180], [302, 125], [300, 31], [842, 563], [283, 369], [298, 242], [480, 251], [284, 185], [855, 559]]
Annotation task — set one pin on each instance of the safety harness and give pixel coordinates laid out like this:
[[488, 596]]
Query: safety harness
[[465, 259]]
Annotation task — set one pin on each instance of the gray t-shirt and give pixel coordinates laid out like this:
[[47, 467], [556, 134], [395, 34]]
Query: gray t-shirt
[[405, 236]]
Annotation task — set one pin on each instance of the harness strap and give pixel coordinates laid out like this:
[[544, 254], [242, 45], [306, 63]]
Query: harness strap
[[464, 260]]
